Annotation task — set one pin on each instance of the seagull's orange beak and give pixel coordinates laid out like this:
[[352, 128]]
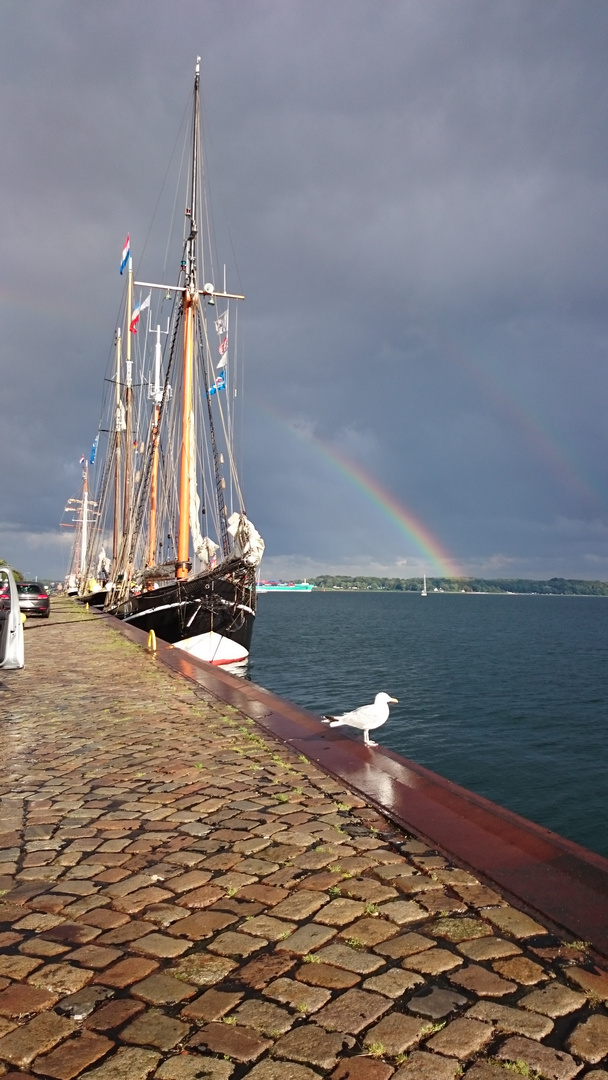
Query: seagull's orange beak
[[396, 700]]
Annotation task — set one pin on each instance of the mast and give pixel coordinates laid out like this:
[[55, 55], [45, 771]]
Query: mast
[[128, 407], [157, 393], [85, 522], [116, 531], [190, 301], [190, 320]]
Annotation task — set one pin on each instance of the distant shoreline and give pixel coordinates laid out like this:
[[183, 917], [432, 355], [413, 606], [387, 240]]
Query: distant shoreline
[[463, 586], [461, 592]]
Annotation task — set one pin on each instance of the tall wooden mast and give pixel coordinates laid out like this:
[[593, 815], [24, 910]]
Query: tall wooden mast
[[157, 393], [190, 301], [127, 495], [84, 539], [118, 425], [190, 298]]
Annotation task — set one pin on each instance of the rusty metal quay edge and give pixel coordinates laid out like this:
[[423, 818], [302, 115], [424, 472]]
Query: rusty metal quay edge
[[539, 870]]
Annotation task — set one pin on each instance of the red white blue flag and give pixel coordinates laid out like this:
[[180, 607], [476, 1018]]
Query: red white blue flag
[[143, 304], [126, 251]]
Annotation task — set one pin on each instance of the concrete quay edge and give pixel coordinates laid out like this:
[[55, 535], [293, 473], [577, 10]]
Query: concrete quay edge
[[549, 876]]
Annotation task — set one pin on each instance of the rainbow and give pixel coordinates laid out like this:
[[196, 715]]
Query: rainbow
[[520, 415], [443, 564], [405, 520]]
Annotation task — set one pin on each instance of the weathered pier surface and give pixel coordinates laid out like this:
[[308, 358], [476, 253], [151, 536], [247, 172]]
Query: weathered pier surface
[[185, 896]]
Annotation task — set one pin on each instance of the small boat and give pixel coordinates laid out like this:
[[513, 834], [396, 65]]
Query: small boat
[[184, 554], [285, 586], [424, 592]]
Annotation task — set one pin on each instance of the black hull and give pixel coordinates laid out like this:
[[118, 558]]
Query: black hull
[[96, 599], [222, 600]]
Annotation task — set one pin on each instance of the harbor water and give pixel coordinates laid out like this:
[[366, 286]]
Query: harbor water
[[506, 695]]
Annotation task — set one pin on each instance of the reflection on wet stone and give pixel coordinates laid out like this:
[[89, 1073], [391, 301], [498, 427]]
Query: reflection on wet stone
[[251, 915]]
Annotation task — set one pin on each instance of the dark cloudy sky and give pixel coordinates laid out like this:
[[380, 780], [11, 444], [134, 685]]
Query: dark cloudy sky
[[418, 200]]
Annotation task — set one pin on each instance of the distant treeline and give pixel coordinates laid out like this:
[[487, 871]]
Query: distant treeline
[[553, 587]]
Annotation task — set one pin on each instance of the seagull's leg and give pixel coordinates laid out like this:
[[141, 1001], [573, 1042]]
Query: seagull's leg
[[370, 742], [366, 736]]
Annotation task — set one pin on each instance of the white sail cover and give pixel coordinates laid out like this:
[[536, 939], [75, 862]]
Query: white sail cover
[[103, 563], [121, 418], [248, 543], [204, 547]]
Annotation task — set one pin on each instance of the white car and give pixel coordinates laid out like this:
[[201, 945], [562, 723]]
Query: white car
[[11, 624]]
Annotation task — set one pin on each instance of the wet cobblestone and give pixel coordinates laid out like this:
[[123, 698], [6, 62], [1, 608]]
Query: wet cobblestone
[[182, 896]]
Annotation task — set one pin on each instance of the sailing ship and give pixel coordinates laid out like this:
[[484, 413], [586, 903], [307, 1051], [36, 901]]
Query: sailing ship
[[424, 592], [79, 514], [184, 554]]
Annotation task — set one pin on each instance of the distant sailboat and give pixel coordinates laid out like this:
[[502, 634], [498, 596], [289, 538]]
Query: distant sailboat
[[82, 515], [424, 592]]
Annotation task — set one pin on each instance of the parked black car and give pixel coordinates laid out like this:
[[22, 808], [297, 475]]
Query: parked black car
[[33, 598]]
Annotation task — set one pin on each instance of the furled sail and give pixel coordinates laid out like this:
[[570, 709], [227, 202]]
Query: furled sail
[[204, 547], [248, 543], [104, 564]]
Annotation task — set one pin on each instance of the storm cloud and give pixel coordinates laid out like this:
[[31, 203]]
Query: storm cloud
[[417, 197]]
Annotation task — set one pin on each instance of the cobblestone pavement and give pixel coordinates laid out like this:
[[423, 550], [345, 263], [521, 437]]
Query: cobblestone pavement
[[184, 898]]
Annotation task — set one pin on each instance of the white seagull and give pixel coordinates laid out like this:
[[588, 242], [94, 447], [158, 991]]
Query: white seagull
[[365, 719]]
